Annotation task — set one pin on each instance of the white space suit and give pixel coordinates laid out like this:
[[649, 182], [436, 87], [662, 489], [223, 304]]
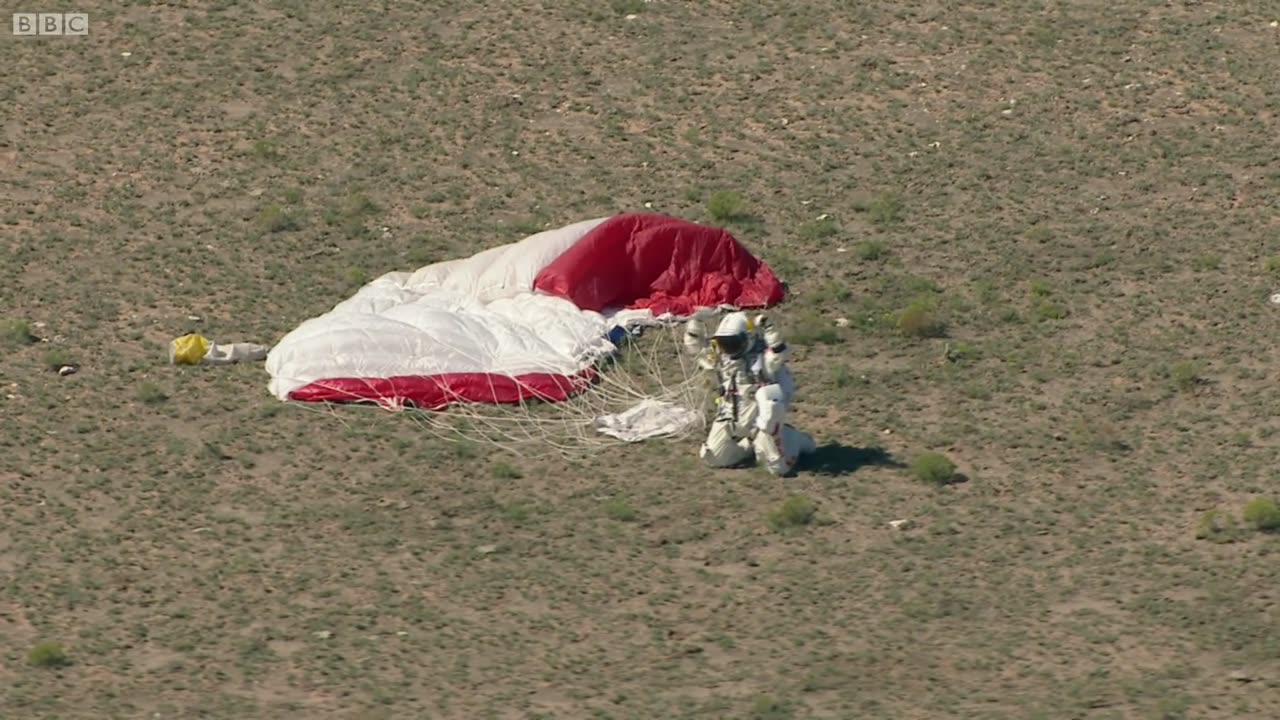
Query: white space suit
[[756, 388]]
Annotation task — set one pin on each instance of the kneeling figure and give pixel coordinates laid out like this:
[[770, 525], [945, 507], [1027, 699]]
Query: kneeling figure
[[755, 392]]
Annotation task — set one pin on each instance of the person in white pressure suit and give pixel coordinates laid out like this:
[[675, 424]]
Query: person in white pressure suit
[[755, 392]]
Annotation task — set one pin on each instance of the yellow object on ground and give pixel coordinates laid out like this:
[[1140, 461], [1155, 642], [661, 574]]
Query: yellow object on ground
[[188, 349]]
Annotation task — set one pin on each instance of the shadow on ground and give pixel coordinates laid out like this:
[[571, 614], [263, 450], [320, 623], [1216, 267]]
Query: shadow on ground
[[837, 459]]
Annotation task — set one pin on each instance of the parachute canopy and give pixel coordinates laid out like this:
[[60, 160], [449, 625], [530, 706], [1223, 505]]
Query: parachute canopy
[[523, 321]]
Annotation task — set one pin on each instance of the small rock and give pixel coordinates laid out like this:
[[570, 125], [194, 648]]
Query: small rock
[[899, 524], [323, 634], [887, 431], [401, 633], [632, 16], [66, 370], [487, 549], [842, 322], [1242, 676]]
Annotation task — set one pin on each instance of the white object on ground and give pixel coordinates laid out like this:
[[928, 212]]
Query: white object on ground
[[234, 353], [646, 419]]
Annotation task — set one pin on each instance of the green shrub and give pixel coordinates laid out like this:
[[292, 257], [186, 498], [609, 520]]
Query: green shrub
[[1186, 375], [17, 332], [882, 209], [1049, 310], [57, 358], [920, 320], [725, 206], [798, 510], [48, 654], [933, 468], [274, 218], [871, 250], [812, 329], [619, 509], [151, 394], [1262, 514], [1218, 527]]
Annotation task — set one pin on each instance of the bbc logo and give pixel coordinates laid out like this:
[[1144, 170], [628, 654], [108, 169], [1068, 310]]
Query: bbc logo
[[50, 23]]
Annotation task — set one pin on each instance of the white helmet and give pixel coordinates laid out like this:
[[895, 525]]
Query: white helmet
[[733, 335]]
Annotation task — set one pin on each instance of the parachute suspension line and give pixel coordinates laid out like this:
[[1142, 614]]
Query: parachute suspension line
[[640, 371]]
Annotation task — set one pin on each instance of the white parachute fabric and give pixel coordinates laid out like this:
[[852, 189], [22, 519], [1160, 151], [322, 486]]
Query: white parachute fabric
[[478, 314]]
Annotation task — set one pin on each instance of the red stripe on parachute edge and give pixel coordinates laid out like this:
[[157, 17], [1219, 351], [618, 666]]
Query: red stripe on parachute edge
[[664, 264], [434, 392]]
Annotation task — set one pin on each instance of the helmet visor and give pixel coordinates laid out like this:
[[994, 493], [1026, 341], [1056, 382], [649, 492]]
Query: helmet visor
[[731, 345]]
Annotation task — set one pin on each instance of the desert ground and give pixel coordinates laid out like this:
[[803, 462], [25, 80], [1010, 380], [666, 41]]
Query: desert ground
[[1036, 239]]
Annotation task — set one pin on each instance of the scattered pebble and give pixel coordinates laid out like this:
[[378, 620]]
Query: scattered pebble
[[842, 322], [899, 524], [323, 634], [126, 53], [487, 549], [632, 16], [887, 431], [1275, 299]]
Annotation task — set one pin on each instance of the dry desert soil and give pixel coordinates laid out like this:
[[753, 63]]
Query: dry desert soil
[[1037, 238]]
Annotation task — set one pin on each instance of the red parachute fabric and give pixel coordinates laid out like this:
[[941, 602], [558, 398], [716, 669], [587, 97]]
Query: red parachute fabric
[[660, 263], [435, 392]]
